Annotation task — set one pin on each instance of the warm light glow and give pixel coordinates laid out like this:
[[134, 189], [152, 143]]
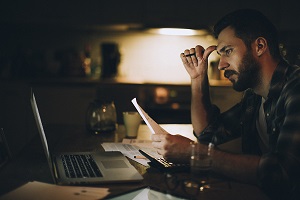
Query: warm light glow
[[161, 95], [177, 31], [151, 58]]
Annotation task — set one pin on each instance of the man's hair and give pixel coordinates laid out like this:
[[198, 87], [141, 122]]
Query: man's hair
[[248, 25]]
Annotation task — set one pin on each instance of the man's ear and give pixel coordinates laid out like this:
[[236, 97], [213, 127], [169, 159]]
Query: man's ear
[[261, 46]]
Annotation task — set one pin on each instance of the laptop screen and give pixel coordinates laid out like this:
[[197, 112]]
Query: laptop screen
[[41, 131]]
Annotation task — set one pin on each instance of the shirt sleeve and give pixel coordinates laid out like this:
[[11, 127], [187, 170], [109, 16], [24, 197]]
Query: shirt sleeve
[[224, 126]]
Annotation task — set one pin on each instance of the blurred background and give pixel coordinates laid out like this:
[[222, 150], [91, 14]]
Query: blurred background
[[53, 38], [74, 51]]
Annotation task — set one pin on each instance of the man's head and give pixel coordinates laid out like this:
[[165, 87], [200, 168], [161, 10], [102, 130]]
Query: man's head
[[246, 38], [248, 25]]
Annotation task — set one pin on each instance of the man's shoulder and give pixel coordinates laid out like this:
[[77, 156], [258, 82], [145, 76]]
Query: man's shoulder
[[289, 69], [294, 70], [293, 75]]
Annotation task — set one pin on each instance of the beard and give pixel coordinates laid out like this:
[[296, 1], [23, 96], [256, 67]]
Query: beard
[[248, 75]]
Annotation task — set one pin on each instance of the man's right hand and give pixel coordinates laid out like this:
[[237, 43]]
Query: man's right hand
[[195, 61], [174, 148]]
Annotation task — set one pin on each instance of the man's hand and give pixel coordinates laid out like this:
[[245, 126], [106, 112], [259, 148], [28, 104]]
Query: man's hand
[[195, 61], [175, 148]]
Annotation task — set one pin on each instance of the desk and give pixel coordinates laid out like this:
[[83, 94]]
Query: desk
[[31, 164]]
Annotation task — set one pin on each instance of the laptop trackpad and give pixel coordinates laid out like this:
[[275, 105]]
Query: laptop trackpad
[[109, 164]]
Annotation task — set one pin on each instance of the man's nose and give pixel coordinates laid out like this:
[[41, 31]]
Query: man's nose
[[222, 64]]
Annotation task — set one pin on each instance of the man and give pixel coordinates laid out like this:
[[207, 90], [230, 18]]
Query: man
[[267, 118]]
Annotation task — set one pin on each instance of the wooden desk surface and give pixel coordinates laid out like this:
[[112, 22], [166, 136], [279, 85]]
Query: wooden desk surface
[[31, 164]]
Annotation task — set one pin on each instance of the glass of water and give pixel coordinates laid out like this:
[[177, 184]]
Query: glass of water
[[201, 164]]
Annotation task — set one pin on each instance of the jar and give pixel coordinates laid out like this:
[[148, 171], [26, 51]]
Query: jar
[[101, 117]]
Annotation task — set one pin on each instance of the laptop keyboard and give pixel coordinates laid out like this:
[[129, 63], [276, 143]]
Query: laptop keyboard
[[80, 166]]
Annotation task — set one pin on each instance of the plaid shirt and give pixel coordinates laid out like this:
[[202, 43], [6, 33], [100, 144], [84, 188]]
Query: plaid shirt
[[279, 169]]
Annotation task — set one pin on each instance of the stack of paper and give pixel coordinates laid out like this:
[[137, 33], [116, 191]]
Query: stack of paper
[[38, 190]]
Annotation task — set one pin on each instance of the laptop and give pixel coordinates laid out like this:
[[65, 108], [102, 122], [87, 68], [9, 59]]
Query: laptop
[[84, 168]]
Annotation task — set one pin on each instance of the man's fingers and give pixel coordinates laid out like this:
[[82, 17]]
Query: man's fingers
[[199, 51], [208, 51], [157, 137]]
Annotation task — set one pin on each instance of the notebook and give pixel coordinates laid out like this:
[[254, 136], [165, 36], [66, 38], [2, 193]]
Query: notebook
[[93, 167]]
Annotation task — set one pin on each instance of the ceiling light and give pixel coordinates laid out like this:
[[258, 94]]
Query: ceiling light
[[177, 31]]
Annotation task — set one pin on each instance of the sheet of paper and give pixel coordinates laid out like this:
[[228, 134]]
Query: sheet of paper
[[145, 145], [146, 193], [37, 190], [128, 150], [153, 126], [138, 142]]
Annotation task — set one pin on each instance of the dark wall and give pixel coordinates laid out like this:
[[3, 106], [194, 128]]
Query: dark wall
[[16, 117]]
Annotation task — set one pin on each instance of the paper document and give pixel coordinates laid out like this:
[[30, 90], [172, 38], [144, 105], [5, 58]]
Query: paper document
[[152, 125], [37, 190], [138, 142], [128, 150], [145, 145], [146, 193], [132, 151]]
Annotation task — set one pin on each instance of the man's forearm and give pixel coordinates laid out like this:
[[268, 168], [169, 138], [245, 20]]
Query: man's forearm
[[239, 167], [200, 104]]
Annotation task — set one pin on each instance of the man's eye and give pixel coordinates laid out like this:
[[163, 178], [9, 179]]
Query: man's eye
[[228, 52]]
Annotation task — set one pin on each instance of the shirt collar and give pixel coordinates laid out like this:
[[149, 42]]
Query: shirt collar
[[278, 79]]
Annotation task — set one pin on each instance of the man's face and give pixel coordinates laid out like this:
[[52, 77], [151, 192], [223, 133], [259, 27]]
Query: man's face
[[249, 71], [237, 60]]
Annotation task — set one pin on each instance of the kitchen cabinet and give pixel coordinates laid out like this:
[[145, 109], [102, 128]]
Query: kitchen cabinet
[[165, 103], [67, 103], [63, 104]]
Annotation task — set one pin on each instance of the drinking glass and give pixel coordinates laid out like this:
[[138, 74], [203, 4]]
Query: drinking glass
[[201, 163], [132, 121]]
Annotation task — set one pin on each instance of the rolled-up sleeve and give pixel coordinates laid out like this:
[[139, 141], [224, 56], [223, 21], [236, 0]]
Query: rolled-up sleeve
[[223, 126]]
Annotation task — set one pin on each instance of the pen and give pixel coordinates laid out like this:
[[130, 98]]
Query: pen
[[139, 157], [193, 54]]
